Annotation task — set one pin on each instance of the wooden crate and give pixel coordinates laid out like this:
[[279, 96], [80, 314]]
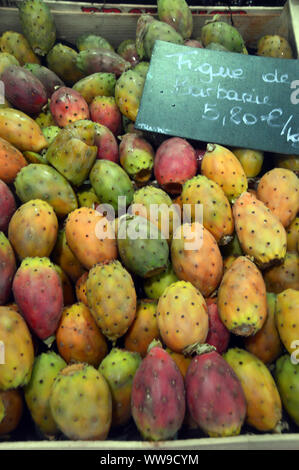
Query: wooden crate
[[73, 19]]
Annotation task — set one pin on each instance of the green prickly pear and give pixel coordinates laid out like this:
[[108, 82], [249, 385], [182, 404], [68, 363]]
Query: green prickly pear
[[96, 84], [177, 14], [274, 46], [6, 60], [223, 33], [136, 157], [88, 198], [128, 92], [154, 286], [92, 41], [287, 318], [287, 380], [50, 133], [62, 60], [17, 45]]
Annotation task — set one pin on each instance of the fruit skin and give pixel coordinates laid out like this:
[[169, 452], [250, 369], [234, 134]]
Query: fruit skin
[[33, 228], [144, 329], [114, 310], [119, 368], [278, 189], [293, 235], [242, 299], [285, 276], [251, 160], [65, 258], [136, 156], [45, 119], [7, 206], [110, 182], [6, 60], [286, 318], [104, 110], [218, 335], [177, 14], [21, 131], [154, 286], [214, 395], [175, 163], [127, 50], [266, 344], [290, 162], [96, 84], [261, 235], [182, 316], [142, 248], [181, 361], [38, 25], [128, 93], [90, 417], [264, 408], [7, 268], [38, 181], [67, 105], [48, 78], [106, 143], [81, 289], [217, 213], [90, 237], [274, 46], [78, 337], [17, 45], [286, 378], [18, 350], [202, 265], [62, 60], [101, 60], [37, 392], [11, 161], [13, 408], [38, 293], [158, 396], [222, 166], [92, 41], [222, 33]]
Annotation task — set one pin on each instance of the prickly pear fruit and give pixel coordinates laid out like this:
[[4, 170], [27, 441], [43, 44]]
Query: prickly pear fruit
[[50, 133], [38, 181], [62, 60], [88, 198], [285, 276], [90, 237], [214, 395], [67, 287], [111, 182], [46, 76], [92, 41], [175, 163], [90, 418], [38, 25], [101, 60], [81, 289], [136, 156], [33, 157], [67, 105], [21, 131], [17, 45], [37, 392], [33, 228], [38, 293], [7, 206], [45, 119], [127, 50], [223, 33], [158, 396], [154, 286], [263, 401], [290, 162], [278, 189], [142, 248], [128, 92], [218, 335], [178, 15], [144, 329], [217, 213], [17, 348], [6, 60], [13, 409], [104, 110], [142, 68], [260, 233], [274, 46], [286, 378], [182, 316], [286, 318], [193, 43], [196, 257], [119, 368], [251, 160], [242, 299], [114, 311], [106, 143], [222, 166], [7, 268], [65, 258], [266, 344], [83, 129], [293, 235], [96, 84], [11, 161], [181, 361]]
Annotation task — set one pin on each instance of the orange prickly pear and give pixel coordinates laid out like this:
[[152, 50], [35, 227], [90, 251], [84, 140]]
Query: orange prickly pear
[[11, 161], [17, 45], [293, 235], [81, 289], [287, 318], [144, 329], [67, 287], [13, 409], [181, 361], [65, 258]]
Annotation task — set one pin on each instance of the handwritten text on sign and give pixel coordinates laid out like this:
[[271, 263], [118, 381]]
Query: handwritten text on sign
[[229, 98]]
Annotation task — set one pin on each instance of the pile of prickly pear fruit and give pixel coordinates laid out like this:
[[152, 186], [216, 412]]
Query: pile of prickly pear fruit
[[119, 317]]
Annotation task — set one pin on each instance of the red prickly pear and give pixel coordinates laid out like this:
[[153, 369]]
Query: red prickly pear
[[215, 398], [7, 206], [48, 78], [107, 144], [101, 60], [67, 105], [175, 163], [218, 334], [38, 293], [7, 268], [24, 90], [104, 110], [158, 396]]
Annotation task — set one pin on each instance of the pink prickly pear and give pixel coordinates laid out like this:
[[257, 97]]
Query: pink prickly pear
[[7, 206], [218, 334], [7, 268], [67, 105], [106, 142], [158, 395], [104, 110], [101, 60]]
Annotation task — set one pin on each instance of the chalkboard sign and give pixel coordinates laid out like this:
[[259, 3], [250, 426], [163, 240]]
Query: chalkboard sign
[[222, 97]]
